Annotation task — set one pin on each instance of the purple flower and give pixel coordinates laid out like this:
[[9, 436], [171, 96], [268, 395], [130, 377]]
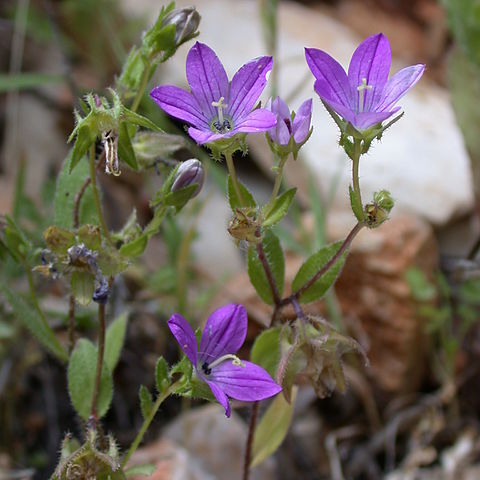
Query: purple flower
[[366, 96], [215, 108], [215, 361], [285, 129]]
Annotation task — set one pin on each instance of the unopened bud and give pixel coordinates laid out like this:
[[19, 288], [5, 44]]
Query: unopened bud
[[186, 21], [189, 173]]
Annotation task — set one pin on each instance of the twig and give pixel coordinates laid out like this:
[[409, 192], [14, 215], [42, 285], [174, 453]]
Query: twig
[[249, 444]]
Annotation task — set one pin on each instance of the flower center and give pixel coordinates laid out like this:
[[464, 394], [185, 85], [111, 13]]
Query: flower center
[[207, 367], [222, 125], [361, 93]]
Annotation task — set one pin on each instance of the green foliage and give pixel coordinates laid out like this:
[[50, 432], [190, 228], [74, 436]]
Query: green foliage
[[162, 377], [81, 373], [125, 148], [114, 340], [146, 401], [35, 322], [356, 205], [247, 197], [266, 350], [140, 470], [82, 285], [68, 187], [272, 428], [276, 261], [22, 81], [179, 198], [311, 266], [279, 208]]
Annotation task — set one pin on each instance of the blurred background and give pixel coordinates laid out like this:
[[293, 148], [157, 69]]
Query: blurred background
[[409, 292]]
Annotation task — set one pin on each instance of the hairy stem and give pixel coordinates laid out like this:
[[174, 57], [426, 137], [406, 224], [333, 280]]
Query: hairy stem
[[268, 272], [101, 352], [277, 184], [141, 90], [233, 176], [96, 196], [249, 444], [355, 179], [148, 421]]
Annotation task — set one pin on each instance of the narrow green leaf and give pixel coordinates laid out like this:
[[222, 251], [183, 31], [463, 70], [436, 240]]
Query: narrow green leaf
[[131, 117], [84, 140], [67, 188], [146, 401], [266, 350], [311, 266], [162, 377], [272, 429], [279, 208], [135, 247], [21, 81], [274, 258], [140, 470], [82, 284], [114, 339], [125, 148], [356, 204], [81, 372], [248, 200], [179, 198], [31, 319]]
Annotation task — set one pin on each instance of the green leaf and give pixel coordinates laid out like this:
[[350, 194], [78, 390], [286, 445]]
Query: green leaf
[[311, 266], [162, 378], [114, 339], [279, 208], [82, 284], [68, 187], [248, 200], [90, 236], [140, 470], [131, 117], [85, 138], [356, 204], [58, 240], [272, 429], [125, 148], [179, 198], [31, 319], [21, 81], [266, 350], [135, 247], [146, 401], [274, 256], [81, 373]]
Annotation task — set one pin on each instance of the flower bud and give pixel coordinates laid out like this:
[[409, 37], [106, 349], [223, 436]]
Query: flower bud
[[186, 21], [189, 173], [377, 211]]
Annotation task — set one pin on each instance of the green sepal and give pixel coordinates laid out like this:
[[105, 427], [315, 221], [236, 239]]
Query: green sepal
[[82, 285], [162, 377], [85, 139], [146, 401], [125, 148], [179, 198]]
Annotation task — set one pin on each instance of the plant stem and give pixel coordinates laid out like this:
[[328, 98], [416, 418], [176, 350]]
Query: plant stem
[[101, 352], [96, 196], [71, 323], [355, 179], [233, 176], [277, 184], [268, 272], [146, 423], [141, 90], [250, 436]]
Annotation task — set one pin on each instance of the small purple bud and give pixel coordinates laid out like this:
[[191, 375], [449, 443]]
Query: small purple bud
[[186, 21], [188, 173], [102, 291]]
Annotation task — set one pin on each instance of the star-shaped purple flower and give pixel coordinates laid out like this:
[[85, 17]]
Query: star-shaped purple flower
[[366, 96], [215, 361], [215, 108], [285, 128]]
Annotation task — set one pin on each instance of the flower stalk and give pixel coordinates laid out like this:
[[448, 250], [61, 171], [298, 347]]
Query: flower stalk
[[277, 184], [100, 355], [355, 175], [233, 176]]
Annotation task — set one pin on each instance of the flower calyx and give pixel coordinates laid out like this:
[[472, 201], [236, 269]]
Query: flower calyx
[[378, 210], [245, 225]]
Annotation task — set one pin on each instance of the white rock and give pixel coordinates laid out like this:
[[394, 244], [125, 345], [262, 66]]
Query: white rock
[[421, 160]]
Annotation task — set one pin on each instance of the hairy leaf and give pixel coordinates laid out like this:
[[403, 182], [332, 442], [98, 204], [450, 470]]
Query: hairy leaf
[[146, 402], [114, 339], [247, 197], [279, 208], [266, 350]]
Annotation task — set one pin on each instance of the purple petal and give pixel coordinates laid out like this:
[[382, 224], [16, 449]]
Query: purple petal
[[205, 136], [259, 120], [331, 77], [280, 108], [247, 383], [302, 120], [398, 85], [180, 104], [280, 134], [371, 61], [365, 120], [247, 85], [224, 332], [185, 336], [221, 397], [344, 111], [206, 77]]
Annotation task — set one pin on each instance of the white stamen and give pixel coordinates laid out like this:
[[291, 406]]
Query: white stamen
[[110, 142], [220, 106], [235, 361], [361, 93]]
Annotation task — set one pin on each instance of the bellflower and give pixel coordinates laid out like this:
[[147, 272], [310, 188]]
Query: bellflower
[[215, 362], [292, 129], [215, 108], [366, 96]]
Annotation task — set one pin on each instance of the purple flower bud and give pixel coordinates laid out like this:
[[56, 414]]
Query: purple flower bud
[[186, 21], [102, 290], [188, 173]]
